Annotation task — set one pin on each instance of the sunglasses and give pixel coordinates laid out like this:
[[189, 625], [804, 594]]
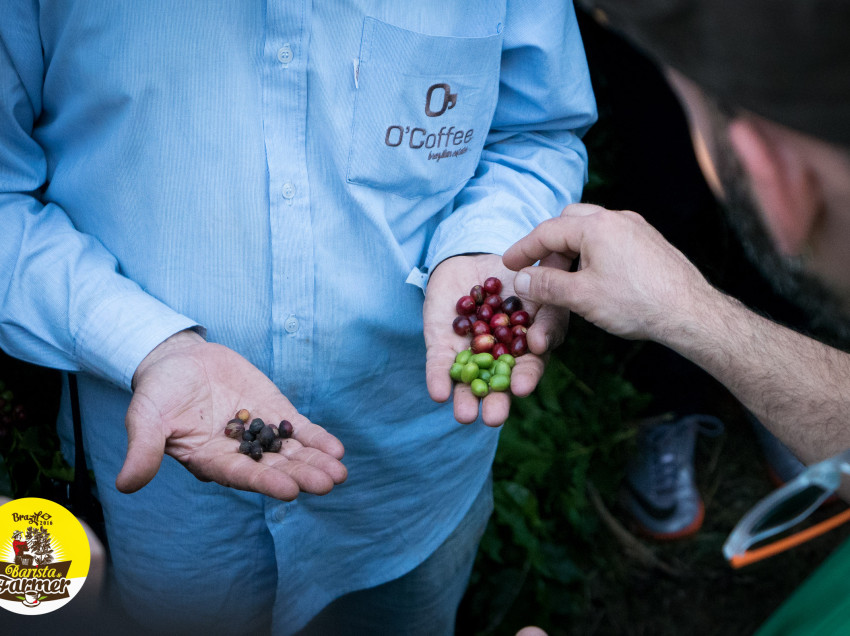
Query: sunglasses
[[786, 507]]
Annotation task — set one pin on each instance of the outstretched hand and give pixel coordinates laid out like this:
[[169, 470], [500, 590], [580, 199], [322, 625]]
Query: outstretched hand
[[452, 279], [184, 393], [631, 282]]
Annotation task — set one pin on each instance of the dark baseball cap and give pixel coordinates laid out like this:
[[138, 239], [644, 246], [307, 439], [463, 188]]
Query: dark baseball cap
[[786, 60]]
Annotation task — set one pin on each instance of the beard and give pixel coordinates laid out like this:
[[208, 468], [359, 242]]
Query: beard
[[787, 275]]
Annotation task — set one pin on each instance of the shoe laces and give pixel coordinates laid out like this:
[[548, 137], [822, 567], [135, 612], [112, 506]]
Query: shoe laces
[[661, 439]]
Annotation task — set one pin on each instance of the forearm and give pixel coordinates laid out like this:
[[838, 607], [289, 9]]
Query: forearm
[[634, 284], [798, 387]]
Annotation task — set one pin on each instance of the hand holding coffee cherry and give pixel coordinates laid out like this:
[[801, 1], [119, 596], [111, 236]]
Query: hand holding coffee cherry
[[453, 279], [186, 390], [497, 338]]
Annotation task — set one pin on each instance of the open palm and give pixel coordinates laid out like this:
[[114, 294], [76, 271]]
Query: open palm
[[452, 279], [181, 402]]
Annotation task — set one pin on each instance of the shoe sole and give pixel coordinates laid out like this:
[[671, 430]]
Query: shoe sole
[[688, 531]]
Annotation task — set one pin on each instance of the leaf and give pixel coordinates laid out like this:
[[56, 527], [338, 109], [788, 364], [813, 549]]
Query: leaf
[[59, 469], [5, 481], [558, 564]]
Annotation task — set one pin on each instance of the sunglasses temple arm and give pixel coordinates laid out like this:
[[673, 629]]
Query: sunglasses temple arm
[[752, 556]]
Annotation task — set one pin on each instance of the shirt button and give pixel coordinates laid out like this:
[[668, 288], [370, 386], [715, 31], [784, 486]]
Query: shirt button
[[291, 324], [288, 191], [284, 54]]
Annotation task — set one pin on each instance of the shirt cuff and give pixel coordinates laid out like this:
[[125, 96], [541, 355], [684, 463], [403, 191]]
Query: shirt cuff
[[121, 331], [486, 230]]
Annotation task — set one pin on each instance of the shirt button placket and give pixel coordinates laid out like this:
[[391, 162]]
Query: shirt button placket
[[285, 55], [288, 192], [291, 324]]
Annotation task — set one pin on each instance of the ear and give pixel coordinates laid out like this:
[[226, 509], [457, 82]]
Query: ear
[[782, 182]]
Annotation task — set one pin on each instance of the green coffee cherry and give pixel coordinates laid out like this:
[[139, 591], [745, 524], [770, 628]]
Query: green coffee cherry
[[479, 387], [454, 372], [502, 368], [485, 374], [508, 359], [469, 372], [483, 360], [463, 356], [500, 383]]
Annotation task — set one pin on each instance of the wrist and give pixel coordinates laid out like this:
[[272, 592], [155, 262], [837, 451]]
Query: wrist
[[179, 341], [701, 325]]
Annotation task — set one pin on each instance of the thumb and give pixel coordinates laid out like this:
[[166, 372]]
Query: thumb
[[549, 286], [145, 446]]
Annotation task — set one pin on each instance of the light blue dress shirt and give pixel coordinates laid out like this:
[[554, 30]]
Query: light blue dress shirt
[[284, 174]]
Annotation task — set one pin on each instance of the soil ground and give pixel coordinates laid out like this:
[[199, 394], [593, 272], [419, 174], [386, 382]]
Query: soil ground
[[686, 586]]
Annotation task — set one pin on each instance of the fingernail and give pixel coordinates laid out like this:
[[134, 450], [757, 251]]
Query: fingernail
[[522, 282]]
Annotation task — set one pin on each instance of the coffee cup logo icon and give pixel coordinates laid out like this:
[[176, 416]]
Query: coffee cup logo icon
[[449, 99]]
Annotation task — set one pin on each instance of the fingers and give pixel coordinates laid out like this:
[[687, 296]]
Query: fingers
[[549, 328], [295, 451], [315, 436], [235, 470], [495, 408], [145, 445], [438, 361], [527, 373], [531, 630], [465, 404], [282, 475], [550, 286], [581, 209], [563, 235]]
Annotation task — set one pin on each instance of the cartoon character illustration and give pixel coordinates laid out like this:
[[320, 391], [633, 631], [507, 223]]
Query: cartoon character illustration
[[20, 548]]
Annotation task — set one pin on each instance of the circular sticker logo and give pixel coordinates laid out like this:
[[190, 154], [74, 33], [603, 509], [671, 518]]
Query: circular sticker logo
[[44, 556]]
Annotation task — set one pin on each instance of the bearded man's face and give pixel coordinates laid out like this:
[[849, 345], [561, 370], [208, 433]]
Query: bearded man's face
[[725, 173]]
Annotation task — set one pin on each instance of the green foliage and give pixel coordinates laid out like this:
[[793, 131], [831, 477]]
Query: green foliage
[[31, 464], [537, 556]]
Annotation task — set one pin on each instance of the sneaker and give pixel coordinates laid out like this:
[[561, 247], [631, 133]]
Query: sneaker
[[660, 492]]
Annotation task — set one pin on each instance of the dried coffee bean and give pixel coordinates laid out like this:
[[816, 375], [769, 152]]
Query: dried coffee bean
[[244, 415], [248, 436], [284, 429], [265, 436], [234, 428], [274, 447], [256, 425], [256, 451], [245, 447]]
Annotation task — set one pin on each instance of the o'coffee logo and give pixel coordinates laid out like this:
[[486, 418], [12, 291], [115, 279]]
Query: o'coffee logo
[[449, 99]]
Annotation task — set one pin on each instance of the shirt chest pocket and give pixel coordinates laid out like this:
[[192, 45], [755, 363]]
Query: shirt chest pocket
[[423, 109]]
